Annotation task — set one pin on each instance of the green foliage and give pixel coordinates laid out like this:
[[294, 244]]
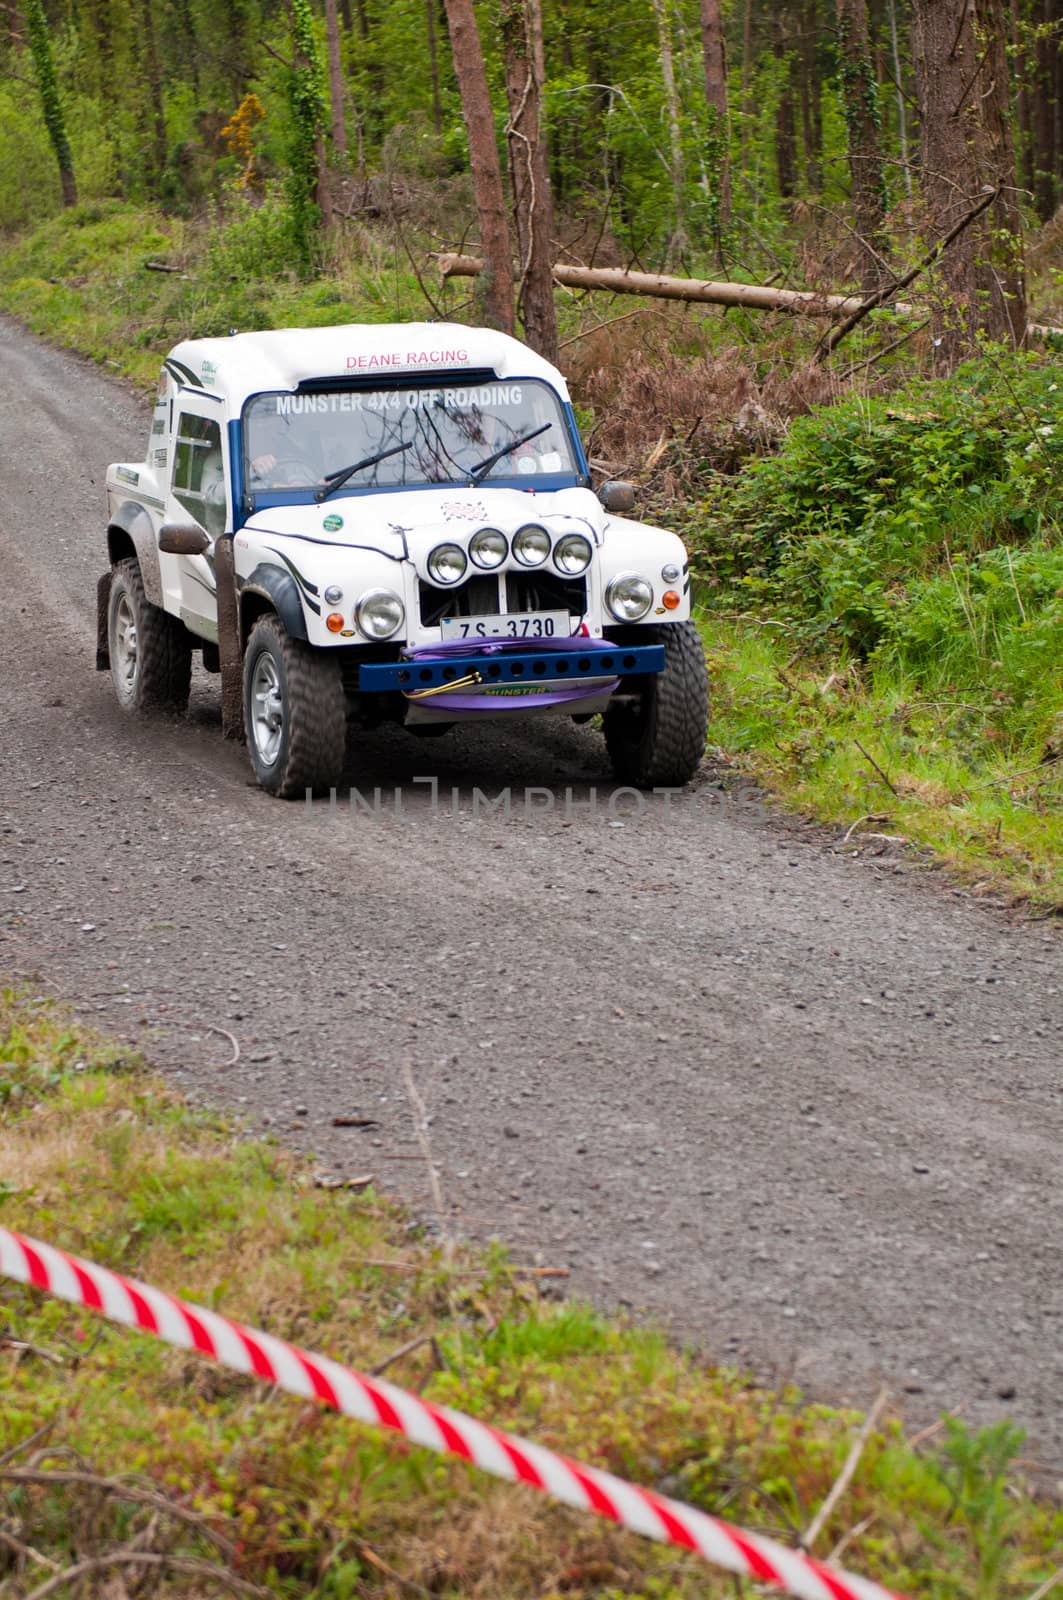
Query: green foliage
[[256, 240], [909, 547], [879, 516], [306, 98], [974, 1469], [24, 149], [41, 50]]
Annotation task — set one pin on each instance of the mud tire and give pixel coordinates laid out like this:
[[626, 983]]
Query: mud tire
[[312, 707], [659, 741], [151, 667]]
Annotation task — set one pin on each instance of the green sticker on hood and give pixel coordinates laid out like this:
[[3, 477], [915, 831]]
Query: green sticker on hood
[[332, 523]]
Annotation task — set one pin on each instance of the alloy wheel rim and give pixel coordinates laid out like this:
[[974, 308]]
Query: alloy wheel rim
[[267, 709], [125, 646]]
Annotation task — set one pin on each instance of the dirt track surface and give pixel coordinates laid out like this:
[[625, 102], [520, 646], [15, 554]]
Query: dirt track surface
[[804, 1107]]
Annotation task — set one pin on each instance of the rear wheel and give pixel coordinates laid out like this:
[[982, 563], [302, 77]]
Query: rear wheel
[[150, 651], [295, 711], [657, 738]]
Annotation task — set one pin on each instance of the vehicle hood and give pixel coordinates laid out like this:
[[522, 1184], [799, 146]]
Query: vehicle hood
[[408, 522]]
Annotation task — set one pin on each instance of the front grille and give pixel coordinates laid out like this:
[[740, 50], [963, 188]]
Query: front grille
[[545, 591], [476, 597]]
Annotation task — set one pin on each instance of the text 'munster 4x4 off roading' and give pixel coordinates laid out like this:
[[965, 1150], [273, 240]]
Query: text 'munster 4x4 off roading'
[[356, 525]]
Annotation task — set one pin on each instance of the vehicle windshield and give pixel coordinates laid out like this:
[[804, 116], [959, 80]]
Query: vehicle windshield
[[439, 433]]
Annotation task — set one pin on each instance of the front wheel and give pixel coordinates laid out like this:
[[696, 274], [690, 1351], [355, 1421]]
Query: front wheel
[[295, 711], [150, 651], [657, 738]]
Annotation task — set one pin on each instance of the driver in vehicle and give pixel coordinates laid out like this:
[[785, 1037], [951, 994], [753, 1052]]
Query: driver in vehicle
[[280, 456]]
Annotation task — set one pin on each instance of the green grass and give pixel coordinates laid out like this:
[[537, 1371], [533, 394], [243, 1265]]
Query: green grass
[[81, 280], [892, 579], [100, 1158], [935, 768]]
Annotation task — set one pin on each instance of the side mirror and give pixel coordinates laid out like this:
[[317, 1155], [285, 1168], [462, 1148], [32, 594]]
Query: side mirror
[[183, 539], [617, 496]]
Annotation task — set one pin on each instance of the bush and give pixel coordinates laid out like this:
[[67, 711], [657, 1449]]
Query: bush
[[255, 241], [872, 494]]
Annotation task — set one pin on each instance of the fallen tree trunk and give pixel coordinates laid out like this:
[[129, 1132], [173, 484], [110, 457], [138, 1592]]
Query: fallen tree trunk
[[754, 296], [797, 302]]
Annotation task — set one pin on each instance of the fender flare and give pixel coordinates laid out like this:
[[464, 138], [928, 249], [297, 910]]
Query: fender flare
[[282, 591], [131, 519]]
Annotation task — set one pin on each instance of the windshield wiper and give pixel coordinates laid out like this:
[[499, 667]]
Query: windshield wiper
[[480, 472], [336, 480]]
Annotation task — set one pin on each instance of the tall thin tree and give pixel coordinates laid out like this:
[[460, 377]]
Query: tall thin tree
[[676, 162], [155, 109], [529, 173], [335, 78], [308, 185], [714, 66], [40, 41], [863, 122], [967, 147], [496, 280], [785, 124], [810, 88]]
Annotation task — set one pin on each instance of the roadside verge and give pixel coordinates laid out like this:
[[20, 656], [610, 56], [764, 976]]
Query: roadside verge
[[101, 1159]]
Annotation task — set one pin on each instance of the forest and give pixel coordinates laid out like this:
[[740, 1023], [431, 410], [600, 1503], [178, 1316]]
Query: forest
[[843, 389], [743, 141]]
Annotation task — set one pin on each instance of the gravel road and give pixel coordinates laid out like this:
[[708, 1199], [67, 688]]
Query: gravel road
[[803, 1107]]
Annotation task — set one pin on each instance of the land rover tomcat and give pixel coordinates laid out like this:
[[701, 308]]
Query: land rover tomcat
[[390, 523]]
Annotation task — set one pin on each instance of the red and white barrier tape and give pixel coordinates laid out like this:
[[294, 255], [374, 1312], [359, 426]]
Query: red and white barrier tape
[[439, 1428]]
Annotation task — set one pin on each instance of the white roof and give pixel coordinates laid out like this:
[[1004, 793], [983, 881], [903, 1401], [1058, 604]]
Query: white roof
[[250, 363]]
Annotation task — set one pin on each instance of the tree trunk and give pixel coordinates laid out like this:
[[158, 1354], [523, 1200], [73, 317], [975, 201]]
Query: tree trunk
[[237, 48], [309, 193], [496, 284], [676, 164], [902, 112], [860, 103], [529, 176], [1045, 114], [323, 183], [785, 125], [156, 108], [755, 296], [714, 61], [747, 83], [810, 91], [963, 85], [187, 28], [335, 78], [40, 41], [433, 66]]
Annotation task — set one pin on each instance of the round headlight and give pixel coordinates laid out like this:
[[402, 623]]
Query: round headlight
[[572, 554], [447, 564], [379, 613], [488, 547], [629, 597], [531, 545]]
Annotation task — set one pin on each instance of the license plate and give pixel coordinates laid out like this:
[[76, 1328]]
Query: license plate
[[516, 625]]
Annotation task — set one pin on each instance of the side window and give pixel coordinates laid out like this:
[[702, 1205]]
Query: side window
[[199, 473]]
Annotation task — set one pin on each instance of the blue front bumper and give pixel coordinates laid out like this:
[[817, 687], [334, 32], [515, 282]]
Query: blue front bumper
[[555, 665]]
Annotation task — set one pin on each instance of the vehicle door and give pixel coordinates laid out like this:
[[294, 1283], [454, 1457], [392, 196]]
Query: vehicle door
[[198, 493]]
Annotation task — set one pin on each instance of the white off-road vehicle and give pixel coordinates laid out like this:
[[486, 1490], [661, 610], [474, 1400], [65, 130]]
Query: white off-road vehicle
[[390, 523]]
